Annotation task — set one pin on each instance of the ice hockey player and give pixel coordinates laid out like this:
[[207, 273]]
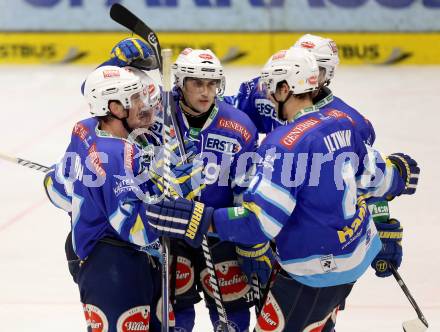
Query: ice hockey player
[[101, 183], [251, 100], [308, 194], [222, 134], [261, 110]]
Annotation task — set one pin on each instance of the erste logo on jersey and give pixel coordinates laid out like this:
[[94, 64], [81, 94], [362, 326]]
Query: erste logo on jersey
[[222, 144], [235, 126], [232, 281], [265, 108], [135, 319], [294, 134]]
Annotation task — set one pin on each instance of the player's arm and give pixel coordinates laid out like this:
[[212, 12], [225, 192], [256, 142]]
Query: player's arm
[[259, 219], [387, 177], [58, 188]]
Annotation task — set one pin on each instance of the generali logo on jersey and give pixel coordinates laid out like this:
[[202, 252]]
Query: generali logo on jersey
[[294, 134], [235, 126]]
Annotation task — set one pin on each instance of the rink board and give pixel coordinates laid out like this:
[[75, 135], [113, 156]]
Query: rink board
[[233, 48]]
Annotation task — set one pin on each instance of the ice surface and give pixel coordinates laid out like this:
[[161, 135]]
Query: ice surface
[[39, 106]]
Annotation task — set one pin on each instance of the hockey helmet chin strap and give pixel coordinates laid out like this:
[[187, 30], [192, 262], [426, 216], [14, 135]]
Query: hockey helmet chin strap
[[280, 103]]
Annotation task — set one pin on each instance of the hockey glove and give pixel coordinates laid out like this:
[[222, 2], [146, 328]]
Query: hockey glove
[[132, 50], [408, 169], [390, 233], [180, 219], [258, 259], [186, 181]]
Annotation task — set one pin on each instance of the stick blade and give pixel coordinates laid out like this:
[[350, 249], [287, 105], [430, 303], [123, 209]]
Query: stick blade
[[123, 16], [415, 325]]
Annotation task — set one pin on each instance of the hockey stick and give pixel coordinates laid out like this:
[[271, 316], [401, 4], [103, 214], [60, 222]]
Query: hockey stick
[[25, 163], [419, 324], [123, 16]]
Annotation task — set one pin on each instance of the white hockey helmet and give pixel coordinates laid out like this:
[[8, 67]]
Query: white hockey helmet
[[295, 66], [111, 83], [324, 50], [202, 64]]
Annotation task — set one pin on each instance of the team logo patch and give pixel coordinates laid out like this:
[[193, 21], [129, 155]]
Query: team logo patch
[[205, 56], [171, 317], [232, 281], [328, 263], [222, 144], [235, 126], [279, 55], [294, 134], [307, 44], [271, 318], [81, 131], [95, 318], [184, 275], [111, 73], [135, 319], [334, 113]]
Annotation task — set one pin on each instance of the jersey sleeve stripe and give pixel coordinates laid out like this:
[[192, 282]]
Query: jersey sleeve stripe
[[58, 199], [118, 218], [276, 196], [268, 225]]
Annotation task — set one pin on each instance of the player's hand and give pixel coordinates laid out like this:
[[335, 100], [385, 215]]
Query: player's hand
[[180, 219], [408, 169], [129, 50], [390, 234], [258, 259], [185, 181]]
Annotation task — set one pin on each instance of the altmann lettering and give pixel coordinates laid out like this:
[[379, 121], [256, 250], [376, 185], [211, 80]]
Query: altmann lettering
[[193, 225]]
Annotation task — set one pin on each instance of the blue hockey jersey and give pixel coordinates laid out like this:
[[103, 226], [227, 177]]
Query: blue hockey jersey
[[261, 111], [309, 195], [225, 141], [98, 183]]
